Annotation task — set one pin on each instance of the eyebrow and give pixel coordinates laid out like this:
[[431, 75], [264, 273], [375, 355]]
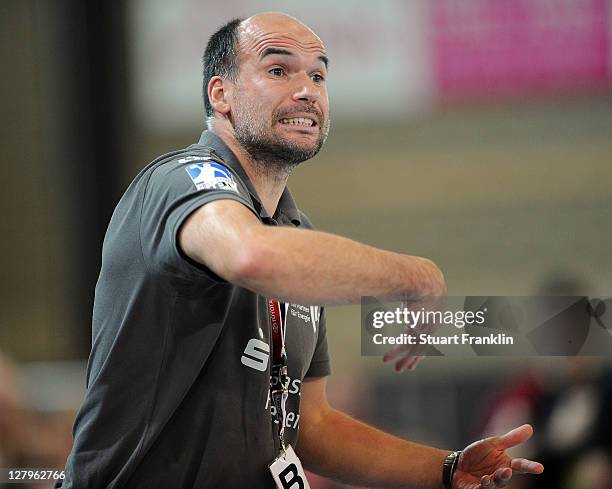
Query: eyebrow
[[270, 51]]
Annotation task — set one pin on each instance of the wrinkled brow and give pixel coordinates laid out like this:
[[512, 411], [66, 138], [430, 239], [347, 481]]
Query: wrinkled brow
[[270, 51]]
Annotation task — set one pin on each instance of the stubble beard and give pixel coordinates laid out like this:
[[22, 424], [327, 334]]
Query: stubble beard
[[272, 154]]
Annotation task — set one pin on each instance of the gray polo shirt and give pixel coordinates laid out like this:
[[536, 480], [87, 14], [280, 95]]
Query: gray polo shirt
[[179, 372]]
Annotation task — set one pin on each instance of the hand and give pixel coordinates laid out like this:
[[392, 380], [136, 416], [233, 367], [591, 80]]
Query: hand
[[430, 297], [485, 465], [408, 356]]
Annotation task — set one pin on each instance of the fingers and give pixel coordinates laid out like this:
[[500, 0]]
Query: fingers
[[408, 363], [415, 362], [398, 351], [524, 466], [499, 478], [515, 437], [406, 356]]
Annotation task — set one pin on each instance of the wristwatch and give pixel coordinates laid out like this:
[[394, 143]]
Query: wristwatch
[[448, 469]]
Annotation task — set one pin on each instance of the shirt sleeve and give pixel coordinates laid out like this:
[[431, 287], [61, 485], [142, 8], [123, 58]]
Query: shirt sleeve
[[174, 190], [320, 365]]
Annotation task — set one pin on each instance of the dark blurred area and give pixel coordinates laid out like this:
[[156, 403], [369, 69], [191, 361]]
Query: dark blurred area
[[475, 133], [65, 87]]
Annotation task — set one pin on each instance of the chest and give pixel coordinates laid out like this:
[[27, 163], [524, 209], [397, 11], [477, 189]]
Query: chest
[[300, 324]]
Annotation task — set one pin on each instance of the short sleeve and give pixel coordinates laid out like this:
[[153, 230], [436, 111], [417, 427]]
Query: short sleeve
[[320, 365], [174, 190]]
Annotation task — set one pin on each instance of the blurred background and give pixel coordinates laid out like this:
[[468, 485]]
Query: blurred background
[[477, 133]]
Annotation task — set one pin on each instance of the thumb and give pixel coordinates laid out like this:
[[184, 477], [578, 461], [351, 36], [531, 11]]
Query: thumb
[[515, 437]]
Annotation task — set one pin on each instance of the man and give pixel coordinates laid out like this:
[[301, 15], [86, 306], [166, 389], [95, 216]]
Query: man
[[209, 348]]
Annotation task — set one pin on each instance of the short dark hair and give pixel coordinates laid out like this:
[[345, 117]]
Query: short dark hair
[[220, 58]]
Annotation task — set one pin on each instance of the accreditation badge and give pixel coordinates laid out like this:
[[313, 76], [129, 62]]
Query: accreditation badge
[[288, 472]]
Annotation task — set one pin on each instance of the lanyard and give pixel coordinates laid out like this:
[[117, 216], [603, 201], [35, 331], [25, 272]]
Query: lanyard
[[279, 378]]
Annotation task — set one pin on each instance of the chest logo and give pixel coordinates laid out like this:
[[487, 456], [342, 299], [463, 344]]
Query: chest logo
[[256, 355], [308, 314]]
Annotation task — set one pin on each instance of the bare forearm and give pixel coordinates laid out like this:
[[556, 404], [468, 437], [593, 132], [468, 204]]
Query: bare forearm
[[345, 449], [315, 267]]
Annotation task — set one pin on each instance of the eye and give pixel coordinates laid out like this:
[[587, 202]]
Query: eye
[[277, 71], [318, 78]]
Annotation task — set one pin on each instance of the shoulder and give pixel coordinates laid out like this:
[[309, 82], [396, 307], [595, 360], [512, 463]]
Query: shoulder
[[194, 171]]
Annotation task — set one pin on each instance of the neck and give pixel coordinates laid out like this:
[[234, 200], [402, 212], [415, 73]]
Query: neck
[[268, 177]]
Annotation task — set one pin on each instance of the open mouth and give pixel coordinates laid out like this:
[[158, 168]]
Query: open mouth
[[302, 122]]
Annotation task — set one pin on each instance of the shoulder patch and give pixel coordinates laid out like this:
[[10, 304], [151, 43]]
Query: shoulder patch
[[211, 175]]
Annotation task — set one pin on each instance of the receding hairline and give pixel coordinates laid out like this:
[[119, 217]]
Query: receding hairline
[[282, 15], [249, 27]]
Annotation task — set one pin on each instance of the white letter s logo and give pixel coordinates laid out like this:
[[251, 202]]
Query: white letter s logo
[[256, 355]]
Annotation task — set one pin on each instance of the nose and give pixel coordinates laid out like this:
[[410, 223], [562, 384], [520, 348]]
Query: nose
[[306, 90]]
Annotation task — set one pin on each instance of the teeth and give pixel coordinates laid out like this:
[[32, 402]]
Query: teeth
[[298, 121]]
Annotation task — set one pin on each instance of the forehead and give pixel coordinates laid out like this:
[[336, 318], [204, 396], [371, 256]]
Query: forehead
[[256, 36]]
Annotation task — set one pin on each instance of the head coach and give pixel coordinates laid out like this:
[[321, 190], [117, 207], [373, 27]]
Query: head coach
[[209, 344]]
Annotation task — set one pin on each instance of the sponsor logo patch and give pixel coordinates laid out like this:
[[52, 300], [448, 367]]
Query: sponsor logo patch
[[211, 175]]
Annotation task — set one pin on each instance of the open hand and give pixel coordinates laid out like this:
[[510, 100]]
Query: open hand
[[485, 465]]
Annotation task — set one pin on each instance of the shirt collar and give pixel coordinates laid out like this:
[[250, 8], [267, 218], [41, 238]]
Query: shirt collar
[[286, 204]]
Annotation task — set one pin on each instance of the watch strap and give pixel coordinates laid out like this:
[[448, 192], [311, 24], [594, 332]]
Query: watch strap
[[449, 467]]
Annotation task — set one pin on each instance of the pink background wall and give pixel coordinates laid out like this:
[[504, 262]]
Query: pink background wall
[[496, 46]]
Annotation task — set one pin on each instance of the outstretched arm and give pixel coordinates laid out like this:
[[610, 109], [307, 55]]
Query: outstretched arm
[[300, 265], [338, 446]]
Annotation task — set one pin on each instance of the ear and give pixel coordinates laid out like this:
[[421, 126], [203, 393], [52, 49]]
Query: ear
[[218, 91]]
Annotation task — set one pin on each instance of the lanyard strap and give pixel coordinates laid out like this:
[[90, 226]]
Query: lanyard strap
[[277, 324], [279, 378]]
